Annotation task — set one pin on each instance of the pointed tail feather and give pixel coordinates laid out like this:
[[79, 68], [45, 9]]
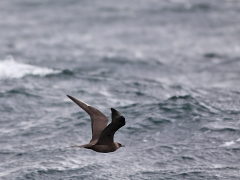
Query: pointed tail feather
[[81, 146]]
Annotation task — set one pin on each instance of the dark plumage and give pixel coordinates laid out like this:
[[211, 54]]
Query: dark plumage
[[102, 135]]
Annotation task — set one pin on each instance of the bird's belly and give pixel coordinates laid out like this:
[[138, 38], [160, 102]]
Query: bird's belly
[[104, 148]]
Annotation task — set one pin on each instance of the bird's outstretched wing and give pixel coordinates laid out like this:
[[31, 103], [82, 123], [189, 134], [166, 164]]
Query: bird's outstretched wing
[[115, 114], [107, 135], [99, 120]]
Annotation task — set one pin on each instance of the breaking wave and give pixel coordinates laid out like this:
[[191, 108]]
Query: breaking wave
[[9, 68]]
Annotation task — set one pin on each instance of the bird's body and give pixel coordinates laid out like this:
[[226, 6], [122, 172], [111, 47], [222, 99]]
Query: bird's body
[[105, 148], [102, 135]]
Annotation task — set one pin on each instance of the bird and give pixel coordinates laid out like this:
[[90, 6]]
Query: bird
[[102, 135]]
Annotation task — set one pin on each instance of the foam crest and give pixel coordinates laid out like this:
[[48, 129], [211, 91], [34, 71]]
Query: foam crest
[[9, 68]]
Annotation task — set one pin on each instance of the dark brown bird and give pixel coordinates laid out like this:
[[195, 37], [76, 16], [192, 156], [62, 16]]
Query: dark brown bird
[[102, 135]]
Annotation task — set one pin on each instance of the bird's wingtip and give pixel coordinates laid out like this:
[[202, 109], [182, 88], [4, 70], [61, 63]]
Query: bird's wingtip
[[113, 110], [70, 97]]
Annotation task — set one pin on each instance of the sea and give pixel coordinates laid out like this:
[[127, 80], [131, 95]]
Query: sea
[[171, 67]]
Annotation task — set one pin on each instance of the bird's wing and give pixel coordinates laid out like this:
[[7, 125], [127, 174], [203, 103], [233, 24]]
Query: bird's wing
[[115, 114], [107, 134], [99, 120]]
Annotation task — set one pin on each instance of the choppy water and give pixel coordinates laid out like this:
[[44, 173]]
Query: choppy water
[[172, 67]]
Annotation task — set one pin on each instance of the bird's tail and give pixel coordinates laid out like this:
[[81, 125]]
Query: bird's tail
[[81, 146]]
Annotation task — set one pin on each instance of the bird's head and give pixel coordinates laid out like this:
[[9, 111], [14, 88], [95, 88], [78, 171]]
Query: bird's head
[[120, 145]]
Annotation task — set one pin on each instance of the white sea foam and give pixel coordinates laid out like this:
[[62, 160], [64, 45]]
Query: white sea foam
[[228, 143], [9, 68]]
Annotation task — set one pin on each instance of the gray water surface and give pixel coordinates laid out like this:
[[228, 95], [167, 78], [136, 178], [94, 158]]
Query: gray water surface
[[171, 67]]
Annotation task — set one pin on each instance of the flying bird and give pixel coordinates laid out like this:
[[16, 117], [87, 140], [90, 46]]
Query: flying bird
[[102, 135]]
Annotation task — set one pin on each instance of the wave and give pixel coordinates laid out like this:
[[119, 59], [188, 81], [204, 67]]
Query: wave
[[134, 60], [180, 7], [220, 129], [9, 68]]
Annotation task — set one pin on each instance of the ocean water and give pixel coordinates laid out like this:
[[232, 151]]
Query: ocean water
[[171, 67]]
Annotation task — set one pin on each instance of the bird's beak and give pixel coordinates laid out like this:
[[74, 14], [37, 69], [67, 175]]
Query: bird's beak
[[123, 146]]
